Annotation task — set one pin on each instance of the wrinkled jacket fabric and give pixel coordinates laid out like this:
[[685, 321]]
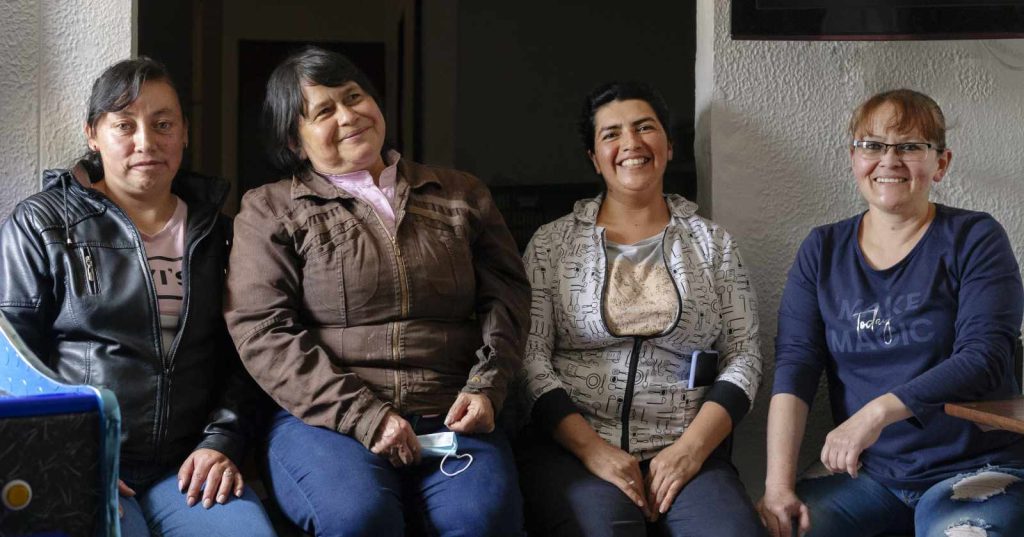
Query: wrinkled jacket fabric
[[633, 390], [340, 321], [76, 285]]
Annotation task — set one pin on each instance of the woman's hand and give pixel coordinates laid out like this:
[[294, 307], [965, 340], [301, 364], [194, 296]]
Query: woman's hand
[[470, 413], [843, 446], [778, 508], [126, 491], [671, 469], [216, 470], [618, 468], [396, 441]]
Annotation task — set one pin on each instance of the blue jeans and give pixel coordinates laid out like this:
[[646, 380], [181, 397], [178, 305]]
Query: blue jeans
[[563, 499], [985, 503], [330, 485], [158, 508]]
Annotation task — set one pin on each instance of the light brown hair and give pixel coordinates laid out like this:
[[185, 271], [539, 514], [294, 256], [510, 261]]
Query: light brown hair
[[914, 112]]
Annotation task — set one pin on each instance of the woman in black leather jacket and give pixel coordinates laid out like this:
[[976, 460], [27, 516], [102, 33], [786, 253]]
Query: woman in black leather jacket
[[113, 275]]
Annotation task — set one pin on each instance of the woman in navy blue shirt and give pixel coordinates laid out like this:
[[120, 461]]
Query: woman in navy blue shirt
[[907, 306]]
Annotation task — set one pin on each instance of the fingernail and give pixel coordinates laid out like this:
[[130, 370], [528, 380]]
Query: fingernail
[[190, 501], [181, 485], [222, 498], [207, 503], [238, 493]]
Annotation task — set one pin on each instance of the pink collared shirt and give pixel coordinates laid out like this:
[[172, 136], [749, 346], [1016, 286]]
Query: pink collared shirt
[[380, 197]]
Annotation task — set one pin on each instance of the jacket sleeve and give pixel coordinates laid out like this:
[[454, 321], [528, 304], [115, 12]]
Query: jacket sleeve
[[988, 319], [262, 312], [502, 300], [242, 408], [738, 345], [26, 282], [545, 397]]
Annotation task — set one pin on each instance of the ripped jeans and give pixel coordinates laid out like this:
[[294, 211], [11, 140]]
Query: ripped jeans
[[985, 503]]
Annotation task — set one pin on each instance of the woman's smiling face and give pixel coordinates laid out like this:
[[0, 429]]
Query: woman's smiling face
[[889, 184], [631, 147], [342, 129]]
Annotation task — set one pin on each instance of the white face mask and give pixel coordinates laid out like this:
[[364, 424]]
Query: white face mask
[[443, 445]]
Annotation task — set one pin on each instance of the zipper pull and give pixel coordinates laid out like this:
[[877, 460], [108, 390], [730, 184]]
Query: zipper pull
[[90, 269]]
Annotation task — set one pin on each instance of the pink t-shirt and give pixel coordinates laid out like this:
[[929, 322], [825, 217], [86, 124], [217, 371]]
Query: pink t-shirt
[[164, 251], [380, 197]]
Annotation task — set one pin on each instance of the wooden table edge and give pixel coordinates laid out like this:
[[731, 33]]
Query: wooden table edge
[[969, 411]]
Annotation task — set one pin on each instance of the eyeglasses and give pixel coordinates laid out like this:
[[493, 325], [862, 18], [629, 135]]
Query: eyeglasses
[[905, 151]]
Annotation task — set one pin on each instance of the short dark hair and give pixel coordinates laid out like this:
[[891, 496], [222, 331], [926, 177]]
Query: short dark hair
[[621, 91], [914, 111], [116, 89], [285, 103]]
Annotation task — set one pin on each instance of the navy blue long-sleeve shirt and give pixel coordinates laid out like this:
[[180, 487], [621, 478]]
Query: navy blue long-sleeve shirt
[[937, 327]]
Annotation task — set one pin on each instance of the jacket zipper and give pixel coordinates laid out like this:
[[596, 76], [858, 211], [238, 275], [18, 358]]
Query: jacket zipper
[[679, 297], [166, 363], [627, 399], [404, 291], [90, 272], [634, 355], [185, 309]]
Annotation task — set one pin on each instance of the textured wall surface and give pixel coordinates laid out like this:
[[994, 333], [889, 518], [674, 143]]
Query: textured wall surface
[[19, 104], [53, 49], [779, 166]]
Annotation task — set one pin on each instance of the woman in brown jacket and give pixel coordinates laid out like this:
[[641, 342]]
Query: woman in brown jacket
[[376, 299]]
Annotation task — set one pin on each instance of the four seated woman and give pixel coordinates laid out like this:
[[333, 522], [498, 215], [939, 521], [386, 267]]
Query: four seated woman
[[907, 306], [377, 299], [625, 290]]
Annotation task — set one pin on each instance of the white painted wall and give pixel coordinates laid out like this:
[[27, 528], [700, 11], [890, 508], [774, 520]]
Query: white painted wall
[[773, 125], [52, 52]]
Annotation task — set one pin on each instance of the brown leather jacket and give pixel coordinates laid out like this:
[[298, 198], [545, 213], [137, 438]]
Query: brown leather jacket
[[339, 321]]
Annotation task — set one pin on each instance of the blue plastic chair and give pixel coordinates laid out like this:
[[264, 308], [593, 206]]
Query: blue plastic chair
[[59, 446]]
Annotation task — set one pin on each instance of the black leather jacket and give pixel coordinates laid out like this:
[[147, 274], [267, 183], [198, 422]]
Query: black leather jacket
[[76, 285]]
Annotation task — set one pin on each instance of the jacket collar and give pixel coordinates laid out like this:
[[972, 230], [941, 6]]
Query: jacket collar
[[204, 196], [586, 210], [308, 184]]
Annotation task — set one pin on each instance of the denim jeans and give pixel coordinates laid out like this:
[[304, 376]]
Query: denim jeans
[[159, 509], [985, 503], [563, 499], [330, 485]]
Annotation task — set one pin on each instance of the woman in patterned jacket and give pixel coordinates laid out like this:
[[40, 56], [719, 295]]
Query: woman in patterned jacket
[[625, 290]]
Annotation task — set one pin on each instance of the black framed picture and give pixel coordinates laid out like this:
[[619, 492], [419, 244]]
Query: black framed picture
[[880, 20]]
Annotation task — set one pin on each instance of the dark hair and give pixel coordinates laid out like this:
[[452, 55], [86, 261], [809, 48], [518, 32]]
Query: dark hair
[[621, 91], [285, 103], [913, 112], [116, 89]]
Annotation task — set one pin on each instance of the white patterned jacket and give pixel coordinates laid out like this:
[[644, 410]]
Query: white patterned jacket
[[632, 390]]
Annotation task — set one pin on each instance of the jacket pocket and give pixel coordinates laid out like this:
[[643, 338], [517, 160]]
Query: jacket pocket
[[323, 286], [444, 260], [85, 271]]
